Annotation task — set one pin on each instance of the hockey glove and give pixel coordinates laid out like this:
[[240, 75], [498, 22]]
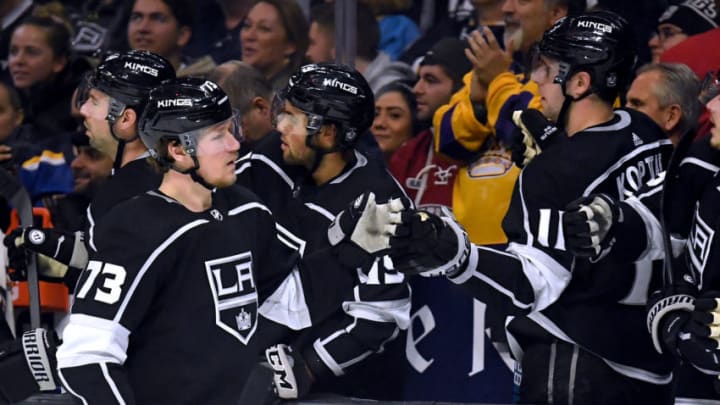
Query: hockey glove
[[429, 245], [533, 133], [291, 376], [667, 314], [28, 365], [56, 251], [698, 342], [587, 225]]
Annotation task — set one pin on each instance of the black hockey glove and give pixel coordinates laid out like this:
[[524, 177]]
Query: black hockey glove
[[291, 377], [429, 245], [364, 229], [588, 225], [28, 366], [56, 251], [668, 312], [532, 134], [698, 342]]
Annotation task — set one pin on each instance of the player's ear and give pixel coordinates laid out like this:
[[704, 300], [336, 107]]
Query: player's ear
[[176, 151], [327, 135], [128, 119]]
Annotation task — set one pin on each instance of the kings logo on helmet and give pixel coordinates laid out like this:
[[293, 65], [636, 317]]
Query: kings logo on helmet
[[340, 85], [595, 25], [141, 68]]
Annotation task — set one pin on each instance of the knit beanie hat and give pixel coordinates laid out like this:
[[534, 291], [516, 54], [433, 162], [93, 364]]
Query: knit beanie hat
[[449, 53], [692, 16]]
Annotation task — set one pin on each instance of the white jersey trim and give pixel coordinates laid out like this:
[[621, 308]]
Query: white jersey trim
[[655, 249], [91, 228], [628, 371], [395, 311], [267, 161], [89, 340], [287, 304], [111, 384], [700, 163], [70, 390], [547, 277]]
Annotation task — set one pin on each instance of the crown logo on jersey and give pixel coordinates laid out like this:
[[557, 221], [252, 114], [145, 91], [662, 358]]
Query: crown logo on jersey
[[244, 320]]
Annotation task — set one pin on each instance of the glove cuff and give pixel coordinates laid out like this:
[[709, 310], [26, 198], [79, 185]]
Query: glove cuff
[[677, 302]]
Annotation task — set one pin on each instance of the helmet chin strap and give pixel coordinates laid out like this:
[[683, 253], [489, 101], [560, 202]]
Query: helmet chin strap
[[562, 116], [115, 109], [194, 174]]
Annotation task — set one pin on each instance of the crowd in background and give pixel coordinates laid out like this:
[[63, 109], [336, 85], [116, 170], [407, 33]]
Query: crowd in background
[[415, 55]]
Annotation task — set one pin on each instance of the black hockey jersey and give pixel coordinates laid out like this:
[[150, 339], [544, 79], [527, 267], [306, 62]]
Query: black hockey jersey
[[547, 293], [355, 311], [167, 308]]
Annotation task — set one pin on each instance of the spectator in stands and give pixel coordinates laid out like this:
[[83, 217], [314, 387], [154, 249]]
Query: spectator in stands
[[250, 94], [375, 65], [11, 115], [11, 13], [41, 64], [164, 27], [395, 117], [426, 176], [681, 21], [274, 38], [397, 31], [458, 22], [221, 39], [667, 93]]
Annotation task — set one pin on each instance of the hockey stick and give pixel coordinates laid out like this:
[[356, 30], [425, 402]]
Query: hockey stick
[[18, 197]]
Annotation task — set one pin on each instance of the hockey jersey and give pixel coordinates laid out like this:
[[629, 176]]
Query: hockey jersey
[[545, 291], [167, 310], [356, 312]]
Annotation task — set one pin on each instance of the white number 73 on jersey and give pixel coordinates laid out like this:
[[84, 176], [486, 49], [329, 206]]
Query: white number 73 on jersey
[[111, 288]]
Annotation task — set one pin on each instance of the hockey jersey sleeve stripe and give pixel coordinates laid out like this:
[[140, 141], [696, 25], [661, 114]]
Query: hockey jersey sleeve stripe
[[655, 249], [630, 156], [111, 384], [360, 161], [504, 286], [287, 304], [290, 240], [247, 207], [274, 167], [547, 277], [322, 211], [700, 163], [154, 255], [88, 339], [396, 311], [70, 389]]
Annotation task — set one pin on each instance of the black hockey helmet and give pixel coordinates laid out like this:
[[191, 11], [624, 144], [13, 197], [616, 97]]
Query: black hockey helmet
[[181, 109], [599, 43], [127, 77], [331, 94]]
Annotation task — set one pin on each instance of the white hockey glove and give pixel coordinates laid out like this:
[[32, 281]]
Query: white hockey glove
[[366, 223], [429, 245], [587, 224], [28, 365], [533, 133]]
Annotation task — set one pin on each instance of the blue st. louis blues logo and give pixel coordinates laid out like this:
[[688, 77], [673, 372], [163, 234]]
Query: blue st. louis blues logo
[[235, 295]]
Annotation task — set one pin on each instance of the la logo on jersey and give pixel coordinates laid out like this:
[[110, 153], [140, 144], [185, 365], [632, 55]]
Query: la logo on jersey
[[234, 294]]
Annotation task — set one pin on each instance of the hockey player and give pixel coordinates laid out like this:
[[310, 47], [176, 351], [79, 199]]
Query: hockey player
[[307, 175], [167, 309], [111, 104], [110, 101], [680, 208], [575, 326]]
